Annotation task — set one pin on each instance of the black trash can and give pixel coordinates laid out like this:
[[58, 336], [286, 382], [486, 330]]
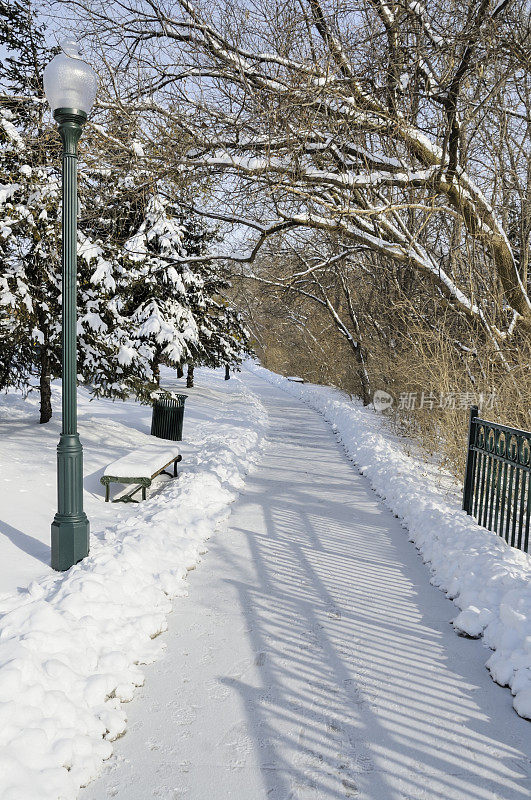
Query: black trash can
[[167, 418]]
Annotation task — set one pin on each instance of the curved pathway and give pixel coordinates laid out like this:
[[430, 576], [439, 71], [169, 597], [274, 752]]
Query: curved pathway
[[312, 659]]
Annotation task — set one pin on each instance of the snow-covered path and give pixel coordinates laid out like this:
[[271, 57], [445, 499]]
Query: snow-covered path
[[312, 659]]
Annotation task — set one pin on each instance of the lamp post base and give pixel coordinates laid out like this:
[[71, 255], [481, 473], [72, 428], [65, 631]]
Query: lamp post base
[[70, 540], [70, 527]]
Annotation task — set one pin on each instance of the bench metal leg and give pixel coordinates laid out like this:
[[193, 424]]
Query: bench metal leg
[[143, 492], [107, 493], [175, 468]]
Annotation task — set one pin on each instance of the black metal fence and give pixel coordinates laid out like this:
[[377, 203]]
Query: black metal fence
[[497, 490]]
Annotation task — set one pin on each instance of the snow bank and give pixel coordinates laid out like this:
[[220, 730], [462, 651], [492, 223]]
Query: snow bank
[[489, 581], [71, 646]]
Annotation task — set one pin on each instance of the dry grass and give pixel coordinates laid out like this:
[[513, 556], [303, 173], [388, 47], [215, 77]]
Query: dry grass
[[418, 363]]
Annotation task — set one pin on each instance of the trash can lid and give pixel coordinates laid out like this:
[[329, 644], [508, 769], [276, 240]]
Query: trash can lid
[[177, 399]]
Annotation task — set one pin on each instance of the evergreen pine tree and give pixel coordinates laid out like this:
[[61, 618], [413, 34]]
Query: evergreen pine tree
[[30, 244], [23, 40], [164, 327], [30, 267], [140, 304], [180, 309], [223, 338]]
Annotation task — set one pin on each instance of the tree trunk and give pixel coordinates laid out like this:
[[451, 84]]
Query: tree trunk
[[4, 373], [361, 358], [45, 388], [156, 368], [180, 371], [190, 376], [227, 372]]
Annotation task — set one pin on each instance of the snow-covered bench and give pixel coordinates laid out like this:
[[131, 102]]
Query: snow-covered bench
[[141, 467]]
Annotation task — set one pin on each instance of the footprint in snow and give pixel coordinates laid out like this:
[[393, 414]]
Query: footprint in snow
[[152, 744], [350, 787]]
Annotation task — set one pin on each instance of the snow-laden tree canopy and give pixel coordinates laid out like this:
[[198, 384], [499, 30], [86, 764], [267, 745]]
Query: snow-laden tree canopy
[[368, 120]]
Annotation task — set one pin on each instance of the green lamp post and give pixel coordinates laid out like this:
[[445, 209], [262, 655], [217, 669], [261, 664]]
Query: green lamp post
[[70, 85]]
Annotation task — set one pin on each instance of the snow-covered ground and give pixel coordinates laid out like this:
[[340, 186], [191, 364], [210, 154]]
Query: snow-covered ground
[[489, 581], [70, 644], [312, 659]]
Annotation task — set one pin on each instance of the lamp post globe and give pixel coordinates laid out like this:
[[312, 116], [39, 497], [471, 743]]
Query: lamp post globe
[[70, 85]]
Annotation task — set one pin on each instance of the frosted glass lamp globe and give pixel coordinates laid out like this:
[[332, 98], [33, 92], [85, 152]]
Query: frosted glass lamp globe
[[69, 82]]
